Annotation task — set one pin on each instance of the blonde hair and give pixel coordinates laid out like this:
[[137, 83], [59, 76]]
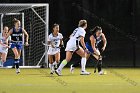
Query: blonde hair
[[82, 23]]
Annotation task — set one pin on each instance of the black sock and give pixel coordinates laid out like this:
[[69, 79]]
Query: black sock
[[17, 63], [99, 66]]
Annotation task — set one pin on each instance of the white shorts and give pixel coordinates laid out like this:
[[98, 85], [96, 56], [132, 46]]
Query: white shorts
[[71, 46], [53, 51], [3, 50]]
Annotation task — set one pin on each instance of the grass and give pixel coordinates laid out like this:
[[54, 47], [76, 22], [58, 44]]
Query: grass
[[117, 80]]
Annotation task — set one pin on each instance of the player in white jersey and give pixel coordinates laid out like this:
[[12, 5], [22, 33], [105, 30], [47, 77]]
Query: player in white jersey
[[73, 46], [54, 41], [3, 46]]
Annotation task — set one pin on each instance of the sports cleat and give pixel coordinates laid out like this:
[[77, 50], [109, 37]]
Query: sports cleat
[[17, 71], [102, 73], [52, 72], [58, 72], [71, 69], [85, 73]]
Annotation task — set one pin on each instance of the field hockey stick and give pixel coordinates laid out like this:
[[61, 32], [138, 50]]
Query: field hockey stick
[[96, 59], [62, 46], [48, 45]]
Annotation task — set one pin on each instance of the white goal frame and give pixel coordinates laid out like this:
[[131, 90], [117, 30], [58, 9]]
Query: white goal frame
[[29, 6]]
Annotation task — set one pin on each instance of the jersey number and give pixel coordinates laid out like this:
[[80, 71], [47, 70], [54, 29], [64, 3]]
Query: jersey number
[[17, 38], [74, 32]]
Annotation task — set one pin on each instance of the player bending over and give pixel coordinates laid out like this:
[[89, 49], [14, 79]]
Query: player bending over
[[73, 46], [16, 39], [55, 41], [3, 46], [92, 45]]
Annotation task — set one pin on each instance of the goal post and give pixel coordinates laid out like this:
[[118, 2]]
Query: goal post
[[35, 20]]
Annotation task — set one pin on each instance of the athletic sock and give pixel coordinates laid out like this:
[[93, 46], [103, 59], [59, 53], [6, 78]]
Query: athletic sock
[[64, 62], [16, 63], [99, 66], [51, 67], [55, 65], [0, 62], [83, 64]]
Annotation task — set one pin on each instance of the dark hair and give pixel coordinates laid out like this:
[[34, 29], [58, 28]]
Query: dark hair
[[15, 20], [95, 29], [54, 25]]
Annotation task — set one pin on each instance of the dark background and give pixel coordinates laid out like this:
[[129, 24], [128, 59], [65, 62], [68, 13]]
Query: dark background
[[119, 20]]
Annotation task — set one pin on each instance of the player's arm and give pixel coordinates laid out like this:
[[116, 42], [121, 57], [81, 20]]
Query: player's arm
[[61, 41], [27, 36], [49, 41], [82, 42], [93, 41], [4, 45], [104, 42], [9, 33]]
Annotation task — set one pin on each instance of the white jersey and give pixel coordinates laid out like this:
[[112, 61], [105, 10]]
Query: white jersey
[[77, 33], [3, 49], [75, 38], [55, 42]]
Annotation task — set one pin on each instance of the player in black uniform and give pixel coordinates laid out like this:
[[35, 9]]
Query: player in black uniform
[[16, 39], [96, 36]]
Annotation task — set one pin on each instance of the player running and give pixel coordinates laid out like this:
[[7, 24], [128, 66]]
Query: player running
[[92, 45], [55, 41], [3, 46], [76, 38], [16, 39]]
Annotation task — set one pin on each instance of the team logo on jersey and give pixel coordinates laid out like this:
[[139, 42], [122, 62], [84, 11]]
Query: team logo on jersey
[[17, 34]]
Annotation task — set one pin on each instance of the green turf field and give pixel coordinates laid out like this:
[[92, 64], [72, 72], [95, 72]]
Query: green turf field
[[117, 80]]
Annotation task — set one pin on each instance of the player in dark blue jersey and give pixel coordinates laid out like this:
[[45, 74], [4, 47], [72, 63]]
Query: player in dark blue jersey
[[96, 36], [16, 39]]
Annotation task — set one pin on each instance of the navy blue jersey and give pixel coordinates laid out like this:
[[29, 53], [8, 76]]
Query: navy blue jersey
[[16, 35], [98, 40]]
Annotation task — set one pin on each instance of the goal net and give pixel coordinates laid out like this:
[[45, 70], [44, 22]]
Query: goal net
[[34, 19]]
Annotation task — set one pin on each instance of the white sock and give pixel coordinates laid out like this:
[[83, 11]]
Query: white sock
[[51, 67], [83, 63], [0, 63], [63, 63], [54, 63]]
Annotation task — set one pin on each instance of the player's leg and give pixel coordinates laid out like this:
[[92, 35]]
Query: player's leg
[[72, 66], [99, 64], [57, 60], [16, 60], [76, 64], [3, 57], [64, 62], [51, 63], [82, 53], [1, 60], [19, 48]]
